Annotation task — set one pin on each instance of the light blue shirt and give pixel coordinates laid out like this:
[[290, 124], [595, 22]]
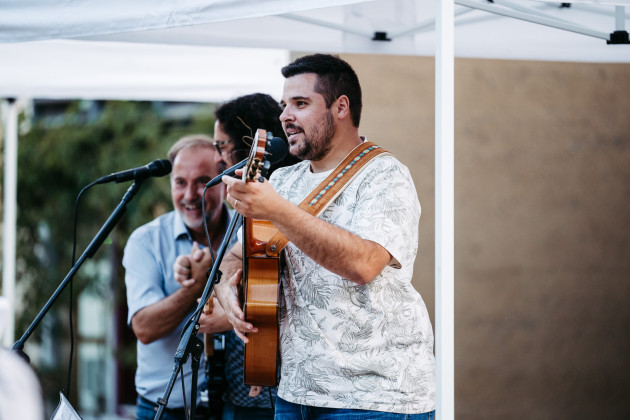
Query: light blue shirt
[[148, 260]]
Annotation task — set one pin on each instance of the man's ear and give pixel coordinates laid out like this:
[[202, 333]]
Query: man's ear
[[342, 107]]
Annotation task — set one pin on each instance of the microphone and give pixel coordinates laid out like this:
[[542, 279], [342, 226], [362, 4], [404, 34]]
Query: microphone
[[275, 151], [159, 167]]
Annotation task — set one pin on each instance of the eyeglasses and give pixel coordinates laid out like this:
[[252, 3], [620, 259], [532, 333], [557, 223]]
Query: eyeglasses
[[218, 144]]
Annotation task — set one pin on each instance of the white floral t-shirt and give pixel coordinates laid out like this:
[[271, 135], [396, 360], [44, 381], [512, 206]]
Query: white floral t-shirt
[[344, 345]]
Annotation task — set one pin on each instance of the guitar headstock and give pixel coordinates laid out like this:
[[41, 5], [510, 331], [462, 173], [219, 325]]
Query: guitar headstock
[[257, 165]]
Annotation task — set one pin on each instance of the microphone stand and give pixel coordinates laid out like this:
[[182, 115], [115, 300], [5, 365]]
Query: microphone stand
[[189, 343], [89, 252]]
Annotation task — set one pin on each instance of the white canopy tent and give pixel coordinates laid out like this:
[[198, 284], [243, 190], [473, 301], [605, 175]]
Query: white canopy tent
[[180, 31], [405, 26]]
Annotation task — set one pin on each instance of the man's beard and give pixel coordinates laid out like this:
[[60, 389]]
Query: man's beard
[[193, 222], [318, 144], [189, 222]]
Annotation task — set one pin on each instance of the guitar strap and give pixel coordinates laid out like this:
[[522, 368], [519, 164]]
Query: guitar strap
[[325, 193]]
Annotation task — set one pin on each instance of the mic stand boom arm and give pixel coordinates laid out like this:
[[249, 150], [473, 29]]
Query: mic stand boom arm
[[189, 343], [89, 252]]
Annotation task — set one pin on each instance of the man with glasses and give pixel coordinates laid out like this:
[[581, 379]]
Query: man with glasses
[[236, 124]]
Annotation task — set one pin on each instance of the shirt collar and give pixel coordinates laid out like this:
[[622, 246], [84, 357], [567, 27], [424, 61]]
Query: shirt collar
[[179, 228]]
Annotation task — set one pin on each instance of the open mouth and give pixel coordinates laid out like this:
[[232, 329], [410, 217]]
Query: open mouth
[[292, 132], [192, 207]]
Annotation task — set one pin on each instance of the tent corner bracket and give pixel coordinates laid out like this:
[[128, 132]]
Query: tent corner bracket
[[619, 37], [380, 36]]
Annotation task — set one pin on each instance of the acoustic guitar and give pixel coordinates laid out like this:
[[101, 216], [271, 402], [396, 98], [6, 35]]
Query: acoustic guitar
[[261, 286]]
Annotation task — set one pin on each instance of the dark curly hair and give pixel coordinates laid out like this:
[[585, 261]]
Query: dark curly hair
[[241, 117]]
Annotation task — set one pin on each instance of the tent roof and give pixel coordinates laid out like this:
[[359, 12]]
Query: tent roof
[[482, 30], [481, 27], [92, 49]]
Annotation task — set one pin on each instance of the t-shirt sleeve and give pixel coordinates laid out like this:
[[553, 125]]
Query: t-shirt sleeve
[[143, 277], [387, 210]]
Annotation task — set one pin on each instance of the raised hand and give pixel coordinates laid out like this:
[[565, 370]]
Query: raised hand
[[190, 270]]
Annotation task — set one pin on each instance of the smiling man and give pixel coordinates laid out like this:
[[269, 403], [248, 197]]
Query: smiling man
[[158, 305]]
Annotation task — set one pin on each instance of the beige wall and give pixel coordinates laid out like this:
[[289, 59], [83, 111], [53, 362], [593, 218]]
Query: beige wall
[[542, 226]]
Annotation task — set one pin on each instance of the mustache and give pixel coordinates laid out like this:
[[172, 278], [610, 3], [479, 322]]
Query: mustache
[[289, 126], [190, 202]]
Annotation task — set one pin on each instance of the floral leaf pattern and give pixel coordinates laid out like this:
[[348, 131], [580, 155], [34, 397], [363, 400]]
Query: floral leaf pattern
[[357, 346]]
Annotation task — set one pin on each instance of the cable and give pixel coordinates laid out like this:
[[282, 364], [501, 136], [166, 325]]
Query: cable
[[72, 262]]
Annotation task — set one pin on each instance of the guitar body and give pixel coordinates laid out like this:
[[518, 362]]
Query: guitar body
[[261, 286], [261, 293]]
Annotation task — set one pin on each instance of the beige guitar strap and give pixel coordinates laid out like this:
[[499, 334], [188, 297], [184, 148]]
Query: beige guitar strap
[[325, 193]]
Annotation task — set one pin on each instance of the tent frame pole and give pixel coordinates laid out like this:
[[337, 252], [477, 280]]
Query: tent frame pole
[[620, 18], [530, 17], [9, 216], [444, 211]]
